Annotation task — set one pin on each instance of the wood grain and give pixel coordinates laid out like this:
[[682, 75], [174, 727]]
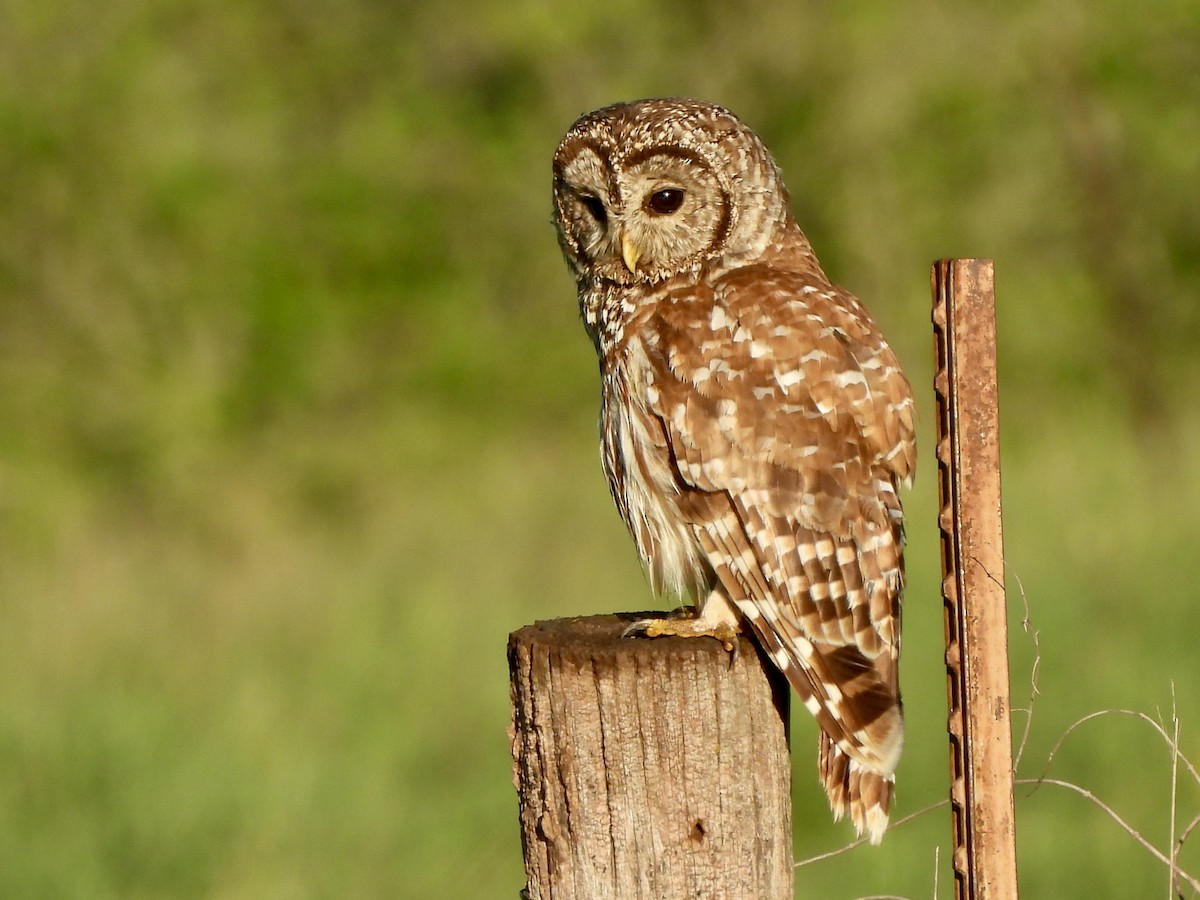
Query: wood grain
[[648, 768]]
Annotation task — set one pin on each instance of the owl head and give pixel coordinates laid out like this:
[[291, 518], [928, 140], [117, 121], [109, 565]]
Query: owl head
[[655, 188]]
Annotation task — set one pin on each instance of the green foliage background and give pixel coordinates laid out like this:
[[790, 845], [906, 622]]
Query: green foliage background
[[297, 418]]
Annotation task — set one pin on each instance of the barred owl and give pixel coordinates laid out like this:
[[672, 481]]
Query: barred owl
[[754, 422]]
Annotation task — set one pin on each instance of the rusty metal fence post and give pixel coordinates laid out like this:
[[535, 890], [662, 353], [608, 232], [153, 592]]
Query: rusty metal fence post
[[968, 454]]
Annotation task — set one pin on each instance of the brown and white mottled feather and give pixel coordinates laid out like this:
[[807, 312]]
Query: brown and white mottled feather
[[755, 424]]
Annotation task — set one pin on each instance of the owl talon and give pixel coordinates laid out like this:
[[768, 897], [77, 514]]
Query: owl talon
[[635, 628], [688, 628]]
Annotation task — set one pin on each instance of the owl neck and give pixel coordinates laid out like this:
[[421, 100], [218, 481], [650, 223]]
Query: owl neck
[[779, 243], [611, 312], [796, 252]]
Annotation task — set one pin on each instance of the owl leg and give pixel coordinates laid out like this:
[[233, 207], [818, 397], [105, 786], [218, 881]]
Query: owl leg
[[716, 617]]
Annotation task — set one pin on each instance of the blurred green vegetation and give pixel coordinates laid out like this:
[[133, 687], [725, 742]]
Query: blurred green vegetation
[[297, 418]]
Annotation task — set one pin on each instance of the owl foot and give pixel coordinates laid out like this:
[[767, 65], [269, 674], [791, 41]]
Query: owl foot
[[689, 627]]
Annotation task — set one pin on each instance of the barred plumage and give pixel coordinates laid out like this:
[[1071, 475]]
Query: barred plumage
[[755, 424]]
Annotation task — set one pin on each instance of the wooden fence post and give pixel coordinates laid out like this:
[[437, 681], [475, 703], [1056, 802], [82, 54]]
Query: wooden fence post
[[648, 768], [968, 453]]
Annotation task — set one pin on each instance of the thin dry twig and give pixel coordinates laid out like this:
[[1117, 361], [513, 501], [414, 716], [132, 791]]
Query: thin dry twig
[[1176, 873], [936, 860], [1183, 835], [1177, 838], [1172, 880], [1112, 814], [1171, 861], [1027, 626], [862, 840], [1106, 712]]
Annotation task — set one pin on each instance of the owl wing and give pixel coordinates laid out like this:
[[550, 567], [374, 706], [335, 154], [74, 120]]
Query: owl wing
[[789, 424]]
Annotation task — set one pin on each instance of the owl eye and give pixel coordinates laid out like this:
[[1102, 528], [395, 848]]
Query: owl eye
[[666, 201], [595, 206]]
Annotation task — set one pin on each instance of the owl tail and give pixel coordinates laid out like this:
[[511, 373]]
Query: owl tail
[[856, 703], [855, 787]]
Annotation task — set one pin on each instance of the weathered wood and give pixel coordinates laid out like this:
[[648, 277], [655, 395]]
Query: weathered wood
[[968, 453], [648, 768]]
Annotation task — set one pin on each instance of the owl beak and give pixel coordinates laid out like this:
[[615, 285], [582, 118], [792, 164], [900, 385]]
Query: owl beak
[[629, 252]]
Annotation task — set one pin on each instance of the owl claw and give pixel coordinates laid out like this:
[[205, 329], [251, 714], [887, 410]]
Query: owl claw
[[636, 627], [687, 628]]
